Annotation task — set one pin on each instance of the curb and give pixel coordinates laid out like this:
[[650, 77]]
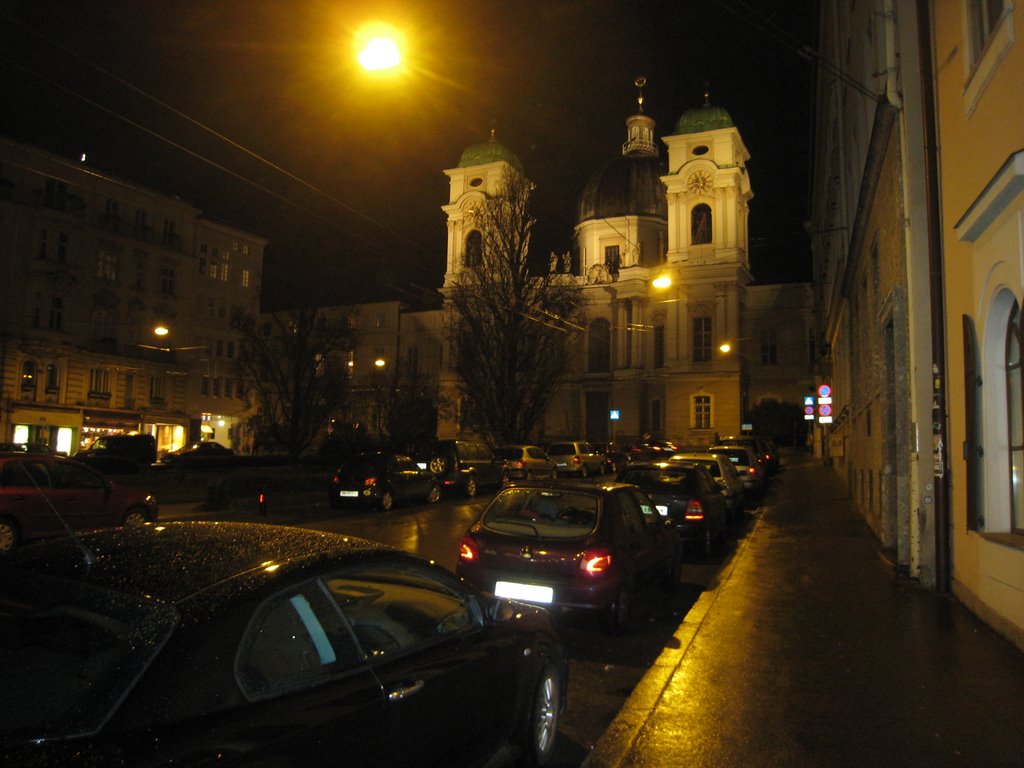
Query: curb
[[620, 736]]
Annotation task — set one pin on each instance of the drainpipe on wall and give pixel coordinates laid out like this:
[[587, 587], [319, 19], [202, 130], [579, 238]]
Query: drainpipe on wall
[[940, 435]]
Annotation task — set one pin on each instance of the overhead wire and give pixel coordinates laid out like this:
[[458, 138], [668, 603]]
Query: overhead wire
[[202, 158]]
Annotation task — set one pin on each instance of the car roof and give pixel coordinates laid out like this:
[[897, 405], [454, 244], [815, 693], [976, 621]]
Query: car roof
[[180, 561]]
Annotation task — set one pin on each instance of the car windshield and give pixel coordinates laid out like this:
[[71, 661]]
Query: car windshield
[[72, 652], [548, 514]]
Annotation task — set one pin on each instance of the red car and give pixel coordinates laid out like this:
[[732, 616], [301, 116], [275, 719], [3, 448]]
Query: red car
[[46, 495], [570, 545]]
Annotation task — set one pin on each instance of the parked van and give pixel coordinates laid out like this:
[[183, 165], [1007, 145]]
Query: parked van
[[120, 454]]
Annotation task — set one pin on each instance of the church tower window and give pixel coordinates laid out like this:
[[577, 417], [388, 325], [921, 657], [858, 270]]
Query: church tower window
[[474, 249], [599, 360], [700, 224]]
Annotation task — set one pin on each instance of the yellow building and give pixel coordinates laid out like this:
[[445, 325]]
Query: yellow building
[[979, 67]]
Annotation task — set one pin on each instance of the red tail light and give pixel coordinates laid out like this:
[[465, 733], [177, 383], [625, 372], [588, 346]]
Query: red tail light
[[467, 549], [575, 459], [751, 470], [370, 481], [517, 464], [694, 510], [595, 561]]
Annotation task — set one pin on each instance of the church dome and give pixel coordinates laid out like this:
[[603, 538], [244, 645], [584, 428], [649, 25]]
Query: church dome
[[629, 185], [490, 151], [706, 117]]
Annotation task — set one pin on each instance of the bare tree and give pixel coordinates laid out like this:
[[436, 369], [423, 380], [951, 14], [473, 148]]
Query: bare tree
[[512, 328], [293, 363]]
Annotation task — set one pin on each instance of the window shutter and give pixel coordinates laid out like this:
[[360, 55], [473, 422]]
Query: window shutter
[[972, 428]]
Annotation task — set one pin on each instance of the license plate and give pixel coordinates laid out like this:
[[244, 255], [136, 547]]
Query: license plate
[[662, 510], [421, 464], [350, 494], [531, 593]]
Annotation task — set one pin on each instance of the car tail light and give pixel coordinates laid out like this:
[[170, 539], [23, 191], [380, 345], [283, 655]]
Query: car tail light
[[694, 510], [517, 464], [595, 561], [468, 549], [752, 469], [370, 481], [575, 459]]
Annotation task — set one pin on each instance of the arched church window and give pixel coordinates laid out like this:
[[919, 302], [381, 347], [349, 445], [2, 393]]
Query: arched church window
[[28, 378], [700, 224], [1015, 414], [474, 248], [600, 348]]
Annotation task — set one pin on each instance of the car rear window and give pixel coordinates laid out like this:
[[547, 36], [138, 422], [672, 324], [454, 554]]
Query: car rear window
[[549, 514], [667, 479]]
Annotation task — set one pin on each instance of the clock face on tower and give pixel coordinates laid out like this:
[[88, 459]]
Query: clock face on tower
[[699, 182]]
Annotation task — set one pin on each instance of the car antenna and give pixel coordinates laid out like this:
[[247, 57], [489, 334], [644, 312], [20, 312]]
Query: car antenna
[[88, 557]]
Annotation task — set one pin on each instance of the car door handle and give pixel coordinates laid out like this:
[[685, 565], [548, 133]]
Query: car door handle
[[405, 691]]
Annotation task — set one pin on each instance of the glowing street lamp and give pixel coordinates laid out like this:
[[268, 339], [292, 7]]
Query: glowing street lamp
[[379, 53], [662, 281]]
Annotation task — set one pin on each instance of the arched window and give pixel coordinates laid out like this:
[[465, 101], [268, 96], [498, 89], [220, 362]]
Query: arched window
[[474, 249], [52, 377], [600, 346], [700, 224], [56, 315], [1015, 415], [29, 369]]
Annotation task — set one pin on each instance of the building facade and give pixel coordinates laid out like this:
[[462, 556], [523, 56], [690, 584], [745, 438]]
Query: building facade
[[979, 64], [92, 265]]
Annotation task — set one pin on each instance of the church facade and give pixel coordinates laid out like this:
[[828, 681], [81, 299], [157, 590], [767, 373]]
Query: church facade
[[661, 251]]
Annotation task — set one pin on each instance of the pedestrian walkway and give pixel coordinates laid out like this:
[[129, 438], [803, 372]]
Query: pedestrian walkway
[[811, 652]]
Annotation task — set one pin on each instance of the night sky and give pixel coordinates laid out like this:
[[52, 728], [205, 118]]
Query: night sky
[[256, 112]]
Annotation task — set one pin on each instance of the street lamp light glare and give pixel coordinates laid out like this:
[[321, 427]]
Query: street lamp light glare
[[662, 281], [725, 347], [379, 53], [161, 330], [380, 362]]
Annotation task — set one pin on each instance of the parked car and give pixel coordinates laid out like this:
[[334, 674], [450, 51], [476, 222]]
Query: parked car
[[43, 496], [764, 447], [381, 480], [26, 448], [526, 462], [571, 545], [652, 450], [615, 456], [204, 449], [462, 465], [724, 473], [195, 643], [576, 457], [748, 465], [685, 494], [119, 454]]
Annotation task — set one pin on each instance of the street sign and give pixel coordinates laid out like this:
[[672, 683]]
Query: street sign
[[808, 399], [824, 390], [614, 414]]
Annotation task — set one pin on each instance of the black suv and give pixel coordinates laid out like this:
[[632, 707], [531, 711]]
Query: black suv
[[463, 465], [120, 454]]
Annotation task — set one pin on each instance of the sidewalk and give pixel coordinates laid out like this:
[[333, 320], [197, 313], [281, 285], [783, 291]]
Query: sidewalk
[[810, 652]]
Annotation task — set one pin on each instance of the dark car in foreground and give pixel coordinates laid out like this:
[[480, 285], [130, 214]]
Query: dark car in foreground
[[205, 644], [47, 495], [685, 494], [381, 480], [570, 545]]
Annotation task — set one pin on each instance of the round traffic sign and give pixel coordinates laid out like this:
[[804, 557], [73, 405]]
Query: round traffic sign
[[824, 390]]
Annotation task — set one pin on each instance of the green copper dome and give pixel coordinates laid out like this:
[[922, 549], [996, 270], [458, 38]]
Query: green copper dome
[[706, 117], [490, 151]]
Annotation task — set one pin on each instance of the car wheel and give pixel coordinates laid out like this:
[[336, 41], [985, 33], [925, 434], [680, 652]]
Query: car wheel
[[438, 465], [616, 614], [600, 468], [434, 495], [505, 479], [387, 500], [675, 571], [8, 535], [539, 741], [707, 542], [134, 516], [583, 471], [471, 487]]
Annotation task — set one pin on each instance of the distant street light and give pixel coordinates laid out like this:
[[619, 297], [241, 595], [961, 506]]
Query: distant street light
[[379, 53]]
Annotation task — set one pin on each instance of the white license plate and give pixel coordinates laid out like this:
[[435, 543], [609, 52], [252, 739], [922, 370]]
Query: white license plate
[[531, 593], [421, 464], [662, 510], [351, 494]]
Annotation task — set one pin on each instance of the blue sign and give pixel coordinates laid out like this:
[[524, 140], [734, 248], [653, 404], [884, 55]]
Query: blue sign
[[614, 414]]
